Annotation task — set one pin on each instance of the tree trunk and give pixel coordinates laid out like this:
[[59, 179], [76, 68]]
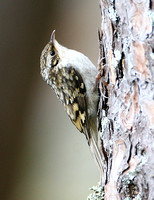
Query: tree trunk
[[126, 106]]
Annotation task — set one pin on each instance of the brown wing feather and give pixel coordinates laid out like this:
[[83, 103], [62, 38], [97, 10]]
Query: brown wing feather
[[75, 99]]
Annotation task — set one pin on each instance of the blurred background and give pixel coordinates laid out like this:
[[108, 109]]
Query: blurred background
[[42, 155]]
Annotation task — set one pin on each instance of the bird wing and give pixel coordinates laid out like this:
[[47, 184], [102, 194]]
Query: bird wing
[[74, 98], [75, 101]]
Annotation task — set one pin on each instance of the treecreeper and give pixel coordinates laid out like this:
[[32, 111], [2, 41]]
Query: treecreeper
[[72, 76]]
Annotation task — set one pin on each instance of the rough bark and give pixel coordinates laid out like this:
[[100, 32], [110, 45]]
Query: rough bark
[[126, 107]]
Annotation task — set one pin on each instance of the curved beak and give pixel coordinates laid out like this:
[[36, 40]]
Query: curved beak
[[52, 39]]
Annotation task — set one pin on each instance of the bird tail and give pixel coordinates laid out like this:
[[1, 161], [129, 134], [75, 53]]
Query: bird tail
[[97, 155]]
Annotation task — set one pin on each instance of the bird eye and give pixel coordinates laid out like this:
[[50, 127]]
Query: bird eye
[[52, 53]]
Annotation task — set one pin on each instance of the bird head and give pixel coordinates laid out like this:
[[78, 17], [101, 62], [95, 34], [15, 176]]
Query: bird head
[[51, 55]]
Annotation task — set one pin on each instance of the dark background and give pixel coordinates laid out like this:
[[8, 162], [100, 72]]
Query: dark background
[[42, 155]]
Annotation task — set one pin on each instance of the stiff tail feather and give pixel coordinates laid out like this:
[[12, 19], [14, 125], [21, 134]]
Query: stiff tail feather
[[97, 156]]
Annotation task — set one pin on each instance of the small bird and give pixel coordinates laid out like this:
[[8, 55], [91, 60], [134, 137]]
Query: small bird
[[73, 78]]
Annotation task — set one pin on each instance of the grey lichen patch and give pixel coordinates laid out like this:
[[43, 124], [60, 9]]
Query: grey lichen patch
[[112, 13], [105, 122], [98, 193], [116, 58], [129, 188], [129, 177], [138, 197], [126, 44], [152, 55]]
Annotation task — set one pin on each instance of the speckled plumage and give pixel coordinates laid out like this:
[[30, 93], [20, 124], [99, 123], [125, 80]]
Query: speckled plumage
[[72, 76]]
